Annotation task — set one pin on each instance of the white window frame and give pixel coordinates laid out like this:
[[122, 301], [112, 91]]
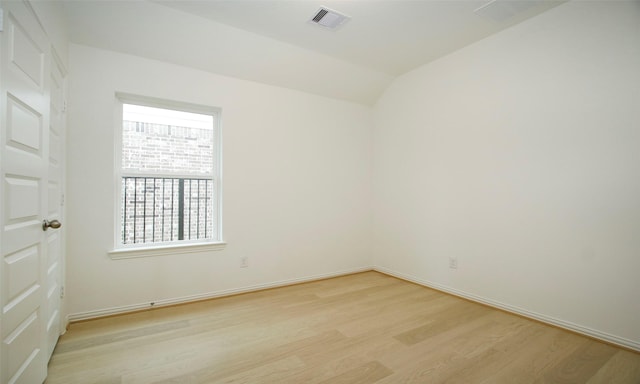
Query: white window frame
[[127, 251]]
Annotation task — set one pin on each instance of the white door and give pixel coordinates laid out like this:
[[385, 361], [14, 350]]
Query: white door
[[25, 74], [54, 262]]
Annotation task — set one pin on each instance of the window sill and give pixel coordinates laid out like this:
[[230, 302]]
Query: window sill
[[164, 250]]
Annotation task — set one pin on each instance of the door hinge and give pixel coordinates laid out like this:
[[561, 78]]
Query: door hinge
[[1, 20], [62, 199], [62, 292]]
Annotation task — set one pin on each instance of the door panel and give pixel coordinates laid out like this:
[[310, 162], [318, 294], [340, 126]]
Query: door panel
[[26, 51], [21, 273], [24, 127], [23, 197], [53, 199], [54, 148], [23, 350]]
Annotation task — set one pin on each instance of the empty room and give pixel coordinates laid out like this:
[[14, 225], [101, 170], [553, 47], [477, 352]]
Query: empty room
[[305, 191]]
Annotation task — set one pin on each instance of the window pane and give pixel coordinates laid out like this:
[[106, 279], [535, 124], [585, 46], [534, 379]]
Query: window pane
[[170, 193], [162, 141]]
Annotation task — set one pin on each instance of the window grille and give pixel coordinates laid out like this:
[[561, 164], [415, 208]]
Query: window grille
[[159, 209]]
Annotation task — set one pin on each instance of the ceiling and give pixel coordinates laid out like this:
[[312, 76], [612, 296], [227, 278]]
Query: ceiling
[[272, 42]]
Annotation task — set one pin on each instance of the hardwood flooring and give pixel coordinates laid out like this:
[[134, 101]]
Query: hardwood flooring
[[363, 328]]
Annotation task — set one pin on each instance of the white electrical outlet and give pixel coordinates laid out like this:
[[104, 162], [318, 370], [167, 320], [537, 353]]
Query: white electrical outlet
[[453, 262], [244, 262]]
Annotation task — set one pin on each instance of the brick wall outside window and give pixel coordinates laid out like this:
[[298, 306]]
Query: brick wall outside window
[[157, 148]]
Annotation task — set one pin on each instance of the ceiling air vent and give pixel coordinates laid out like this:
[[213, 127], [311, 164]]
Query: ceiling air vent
[[328, 18]]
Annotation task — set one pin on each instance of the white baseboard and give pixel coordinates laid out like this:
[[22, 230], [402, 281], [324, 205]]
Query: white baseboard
[[210, 295], [606, 337]]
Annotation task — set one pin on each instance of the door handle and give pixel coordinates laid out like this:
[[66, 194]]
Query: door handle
[[46, 224]]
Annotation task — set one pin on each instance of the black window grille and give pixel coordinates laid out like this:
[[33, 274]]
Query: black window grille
[[159, 209]]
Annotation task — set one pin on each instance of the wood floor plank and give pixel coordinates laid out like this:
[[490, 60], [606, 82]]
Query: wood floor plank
[[235, 364], [361, 328], [549, 346], [330, 363], [580, 365], [365, 374], [122, 335], [273, 372], [456, 352], [459, 314], [622, 368], [400, 316]]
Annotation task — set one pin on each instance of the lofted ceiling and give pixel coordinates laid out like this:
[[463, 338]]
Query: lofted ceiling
[[272, 42]]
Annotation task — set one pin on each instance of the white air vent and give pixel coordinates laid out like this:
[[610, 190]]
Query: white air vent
[[328, 18]]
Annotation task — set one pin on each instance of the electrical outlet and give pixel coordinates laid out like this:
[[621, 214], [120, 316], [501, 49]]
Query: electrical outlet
[[244, 262], [453, 262]]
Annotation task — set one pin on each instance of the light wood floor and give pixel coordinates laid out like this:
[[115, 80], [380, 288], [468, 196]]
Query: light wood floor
[[363, 328]]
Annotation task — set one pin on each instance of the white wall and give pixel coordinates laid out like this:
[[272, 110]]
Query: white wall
[[296, 185], [520, 156]]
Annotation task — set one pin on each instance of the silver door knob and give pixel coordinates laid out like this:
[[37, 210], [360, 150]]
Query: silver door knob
[[46, 224]]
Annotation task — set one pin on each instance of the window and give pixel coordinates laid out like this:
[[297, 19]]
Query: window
[[169, 175]]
